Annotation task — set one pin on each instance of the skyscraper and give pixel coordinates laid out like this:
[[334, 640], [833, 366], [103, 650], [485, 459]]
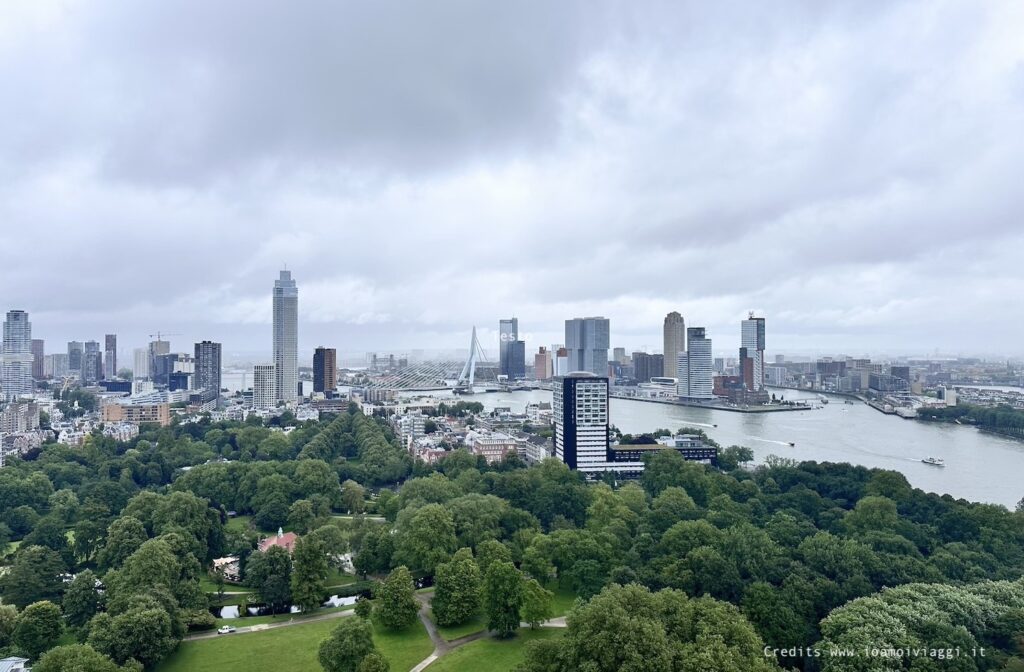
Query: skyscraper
[[208, 368], [752, 352], [156, 349], [325, 369], [542, 364], [92, 364], [110, 356], [647, 366], [586, 341], [675, 342], [508, 334], [140, 363], [695, 370], [38, 358], [75, 349], [264, 386], [580, 412], [16, 371], [286, 337]]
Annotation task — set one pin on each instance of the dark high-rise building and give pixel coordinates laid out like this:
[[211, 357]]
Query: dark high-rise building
[[157, 348], [38, 356], [208, 367], [92, 364], [647, 366], [110, 356], [901, 372], [508, 334], [325, 369], [517, 361], [75, 349]]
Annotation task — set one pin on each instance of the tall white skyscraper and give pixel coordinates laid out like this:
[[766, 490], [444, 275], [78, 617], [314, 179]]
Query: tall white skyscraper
[[264, 386], [586, 341], [16, 371], [286, 337], [675, 342], [695, 369], [752, 352], [140, 363]]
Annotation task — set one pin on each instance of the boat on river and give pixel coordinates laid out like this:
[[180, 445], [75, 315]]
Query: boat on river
[[934, 461]]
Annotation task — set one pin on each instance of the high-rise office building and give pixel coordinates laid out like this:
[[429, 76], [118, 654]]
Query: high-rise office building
[[56, 365], [92, 364], [16, 370], [38, 358], [156, 349], [647, 366], [752, 352], [542, 364], [110, 356], [619, 355], [264, 386], [517, 361], [140, 363], [560, 364], [75, 349], [208, 368], [586, 341], [286, 337], [695, 370], [508, 334], [675, 342], [580, 412], [325, 369]]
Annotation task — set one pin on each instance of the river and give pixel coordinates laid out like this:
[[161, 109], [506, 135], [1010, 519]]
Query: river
[[979, 467]]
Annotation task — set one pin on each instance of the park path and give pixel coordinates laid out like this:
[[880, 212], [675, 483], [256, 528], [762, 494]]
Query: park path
[[261, 627], [443, 646]]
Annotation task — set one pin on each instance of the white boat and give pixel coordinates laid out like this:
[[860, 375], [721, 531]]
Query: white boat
[[935, 461], [823, 400]]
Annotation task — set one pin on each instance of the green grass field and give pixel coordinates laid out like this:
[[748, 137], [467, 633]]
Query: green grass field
[[492, 655], [291, 649], [277, 618], [468, 628]]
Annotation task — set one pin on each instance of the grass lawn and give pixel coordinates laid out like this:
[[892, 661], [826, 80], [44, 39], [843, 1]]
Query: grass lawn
[[493, 655], [291, 649], [11, 548], [475, 624], [563, 601], [239, 523], [208, 585]]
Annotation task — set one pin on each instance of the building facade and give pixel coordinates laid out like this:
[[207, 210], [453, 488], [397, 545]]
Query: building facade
[[542, 364], [110, 356], [208, 367], [647, 366], [38, 359], [587, 340], [264, 387], [16, 368], [286, 337], [752, 339], [695, 370], [325, 369], [674, 334], [580, 411]]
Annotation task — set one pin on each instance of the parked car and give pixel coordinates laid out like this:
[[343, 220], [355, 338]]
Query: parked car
[[225, 629]]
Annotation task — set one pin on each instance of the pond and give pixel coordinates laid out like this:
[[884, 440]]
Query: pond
[[234, 610]]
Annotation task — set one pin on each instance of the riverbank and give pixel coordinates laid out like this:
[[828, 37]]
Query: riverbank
[[720, 406]]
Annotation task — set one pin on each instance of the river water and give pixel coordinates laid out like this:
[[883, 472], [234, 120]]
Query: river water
[[979, 467]]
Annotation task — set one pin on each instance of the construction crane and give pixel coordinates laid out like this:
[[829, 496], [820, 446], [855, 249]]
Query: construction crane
[[160, 334]]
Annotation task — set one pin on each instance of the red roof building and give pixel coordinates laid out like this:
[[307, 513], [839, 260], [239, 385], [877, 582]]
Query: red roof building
[[285, 540]]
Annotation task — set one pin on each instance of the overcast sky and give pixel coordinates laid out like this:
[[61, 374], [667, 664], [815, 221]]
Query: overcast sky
[[851, 171]]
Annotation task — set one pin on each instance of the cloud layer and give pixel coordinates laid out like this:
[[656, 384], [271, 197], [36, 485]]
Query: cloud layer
[[850, 170]]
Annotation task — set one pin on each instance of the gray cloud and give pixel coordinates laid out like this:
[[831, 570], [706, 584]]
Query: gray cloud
[[848, 169]]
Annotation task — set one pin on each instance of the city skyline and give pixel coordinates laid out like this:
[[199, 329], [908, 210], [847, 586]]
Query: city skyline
[[753, 146]]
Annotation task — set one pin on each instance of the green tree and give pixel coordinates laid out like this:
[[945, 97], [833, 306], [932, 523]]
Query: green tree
[[39, 627], [536, 603], [301, 516], [364, 608], [490, 552], [374, 662], [81, 601], [395, 600], [425, 537], [124, 536], [503, 597], [34, 577], [309, 574], [352, 496], [75, 658], [8, 621], [270, 573], [143, 632], [347, 645], [456, 589]]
